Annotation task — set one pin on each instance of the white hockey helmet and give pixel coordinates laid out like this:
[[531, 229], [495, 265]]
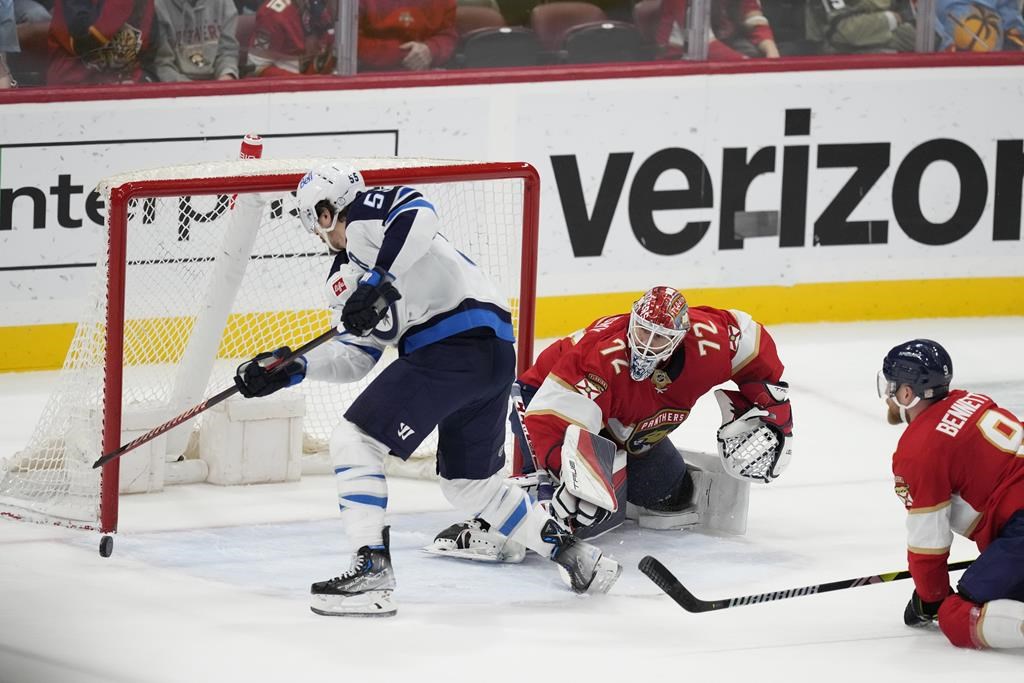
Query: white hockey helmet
[[659, 321], [333, 186]]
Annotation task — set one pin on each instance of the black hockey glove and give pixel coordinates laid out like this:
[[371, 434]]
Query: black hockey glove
[[921, 613], [254, 379], [369, 303]]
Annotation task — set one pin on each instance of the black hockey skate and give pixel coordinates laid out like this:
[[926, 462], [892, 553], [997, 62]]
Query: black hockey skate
[[364, 590], [582, 566]]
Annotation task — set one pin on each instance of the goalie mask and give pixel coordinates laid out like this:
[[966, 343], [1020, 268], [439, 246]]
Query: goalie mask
[[332, 187], [659, 321]]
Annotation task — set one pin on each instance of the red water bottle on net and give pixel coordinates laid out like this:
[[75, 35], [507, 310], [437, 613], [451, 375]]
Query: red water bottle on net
[[252, 148]]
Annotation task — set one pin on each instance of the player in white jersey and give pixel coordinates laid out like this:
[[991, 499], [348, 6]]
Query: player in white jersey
[[397, 281]]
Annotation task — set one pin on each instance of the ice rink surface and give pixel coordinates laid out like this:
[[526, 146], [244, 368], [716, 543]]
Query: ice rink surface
[[210, 584]]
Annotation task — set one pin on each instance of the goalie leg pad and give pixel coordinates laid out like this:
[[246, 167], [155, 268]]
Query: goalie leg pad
[[716, 501]]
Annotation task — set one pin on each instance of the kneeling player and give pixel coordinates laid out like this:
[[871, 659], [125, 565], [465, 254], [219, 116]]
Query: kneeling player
[[632, 379], [959, 466]]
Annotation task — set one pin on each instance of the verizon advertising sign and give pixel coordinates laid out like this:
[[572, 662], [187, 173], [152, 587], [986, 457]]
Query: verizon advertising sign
[[703, 181]]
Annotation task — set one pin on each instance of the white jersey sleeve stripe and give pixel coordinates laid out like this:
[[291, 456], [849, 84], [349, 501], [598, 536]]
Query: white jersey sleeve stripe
[[557, 398], [929, 532], [749, 342]]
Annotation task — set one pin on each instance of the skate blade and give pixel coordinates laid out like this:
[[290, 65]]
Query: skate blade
[[606, 574], [479, 555], [369, 604]]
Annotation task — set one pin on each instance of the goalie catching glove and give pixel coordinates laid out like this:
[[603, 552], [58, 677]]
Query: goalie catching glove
[[755, 441], [261, 377], [369, 304]]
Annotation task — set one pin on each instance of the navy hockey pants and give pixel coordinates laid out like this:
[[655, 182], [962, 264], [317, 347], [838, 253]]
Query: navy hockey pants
[[459, 385], [999, 570]]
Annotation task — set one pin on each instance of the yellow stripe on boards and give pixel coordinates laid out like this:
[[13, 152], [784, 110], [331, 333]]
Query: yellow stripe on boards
[[43, 347], [820, 302], [35, 347]]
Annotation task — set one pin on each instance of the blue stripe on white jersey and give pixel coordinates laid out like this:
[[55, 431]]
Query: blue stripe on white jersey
[[411, 205], [470, 314]]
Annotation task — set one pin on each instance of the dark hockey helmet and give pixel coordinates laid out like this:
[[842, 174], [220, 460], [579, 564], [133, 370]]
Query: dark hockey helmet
[[922, 364]]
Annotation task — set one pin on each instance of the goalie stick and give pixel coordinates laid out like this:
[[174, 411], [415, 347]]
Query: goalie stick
[[210, 402], [666, 581]]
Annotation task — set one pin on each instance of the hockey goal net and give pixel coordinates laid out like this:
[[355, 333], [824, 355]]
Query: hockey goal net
[[206, 265]]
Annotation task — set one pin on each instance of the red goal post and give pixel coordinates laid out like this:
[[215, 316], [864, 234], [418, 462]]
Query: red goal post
[[490, 209]]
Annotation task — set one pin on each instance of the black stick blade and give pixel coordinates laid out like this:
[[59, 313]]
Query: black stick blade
[[666, 581]]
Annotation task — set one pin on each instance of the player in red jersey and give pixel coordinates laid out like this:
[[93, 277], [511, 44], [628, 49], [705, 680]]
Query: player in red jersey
[[959, 467], [634, 378]]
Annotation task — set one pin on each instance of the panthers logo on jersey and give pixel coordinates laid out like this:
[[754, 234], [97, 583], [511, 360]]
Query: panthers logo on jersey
[[903, 492], [649, 431]]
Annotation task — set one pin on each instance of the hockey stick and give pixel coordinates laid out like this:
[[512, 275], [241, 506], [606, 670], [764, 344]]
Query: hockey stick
[[667, 582], [545, 486], [210, 402]]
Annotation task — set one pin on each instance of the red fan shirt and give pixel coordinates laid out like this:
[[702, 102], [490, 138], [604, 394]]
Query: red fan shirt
[[959, 467], [385, 25], [584, 379], [730, 19]]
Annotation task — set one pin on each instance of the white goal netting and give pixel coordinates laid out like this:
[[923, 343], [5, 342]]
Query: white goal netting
[[210, 279]]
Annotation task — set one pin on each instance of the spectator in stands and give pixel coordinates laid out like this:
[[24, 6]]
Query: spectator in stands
[[8, 42], [861, 26], [99, 41], [30, 11], [196, 40], [739, 30], [404, 34], [292, 37], [979, 25]]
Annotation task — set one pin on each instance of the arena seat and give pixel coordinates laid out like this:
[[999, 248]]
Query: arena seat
[[498, 47], [471, 18], [605, 41], [552, 21]]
